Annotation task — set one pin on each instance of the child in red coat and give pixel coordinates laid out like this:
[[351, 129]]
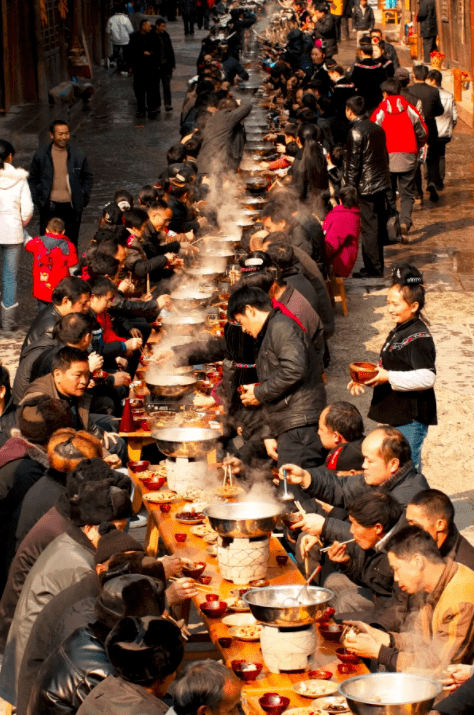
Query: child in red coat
[[342, 231], [54, 258]]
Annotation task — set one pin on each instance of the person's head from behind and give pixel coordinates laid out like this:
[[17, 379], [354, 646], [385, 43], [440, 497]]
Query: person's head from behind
[[124, 200], [402, 76], [415, 559], [339, 423], [101, 264], [59, 133], [70, 369], [176, 154], [420, 73], [5, 388], [366, 48], [72, 295], [336, 73], [355, 108], [390, 87], [75, 330], [146, 651], [135, 220], [111, 216], [56, 226], [385, 451], [97, 507], [372, 516], [282, 255], [227, 105], [406, 296], [7, 152], [249, 307], [159, 214], [193, 146], [67, 448], [433, 511], [348, 197], [146, 196], [434, 78], [102, 294], [207, 688], [40, 416]]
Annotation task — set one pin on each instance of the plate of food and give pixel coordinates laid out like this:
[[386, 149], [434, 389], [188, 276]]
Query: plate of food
[[202, 530], [300, 711], [246, 633], [243, 619], [228, 491], [210, 538], [237, 604], [332, 705], [166, 497], [315, 688], [189, 517]]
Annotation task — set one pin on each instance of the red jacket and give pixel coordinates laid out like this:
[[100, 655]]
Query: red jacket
[[405, 129], [53, 256], [342, 229], [108, 333]]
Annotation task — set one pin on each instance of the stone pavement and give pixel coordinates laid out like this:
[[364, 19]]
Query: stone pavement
[[126, 153]]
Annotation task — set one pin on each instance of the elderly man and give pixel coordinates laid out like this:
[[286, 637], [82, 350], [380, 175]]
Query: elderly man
[[387, 466], [442, 631], [207, 688]]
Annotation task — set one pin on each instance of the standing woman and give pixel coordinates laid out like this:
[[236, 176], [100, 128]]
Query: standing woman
[[16, 209], [403, 389], [310, 171]]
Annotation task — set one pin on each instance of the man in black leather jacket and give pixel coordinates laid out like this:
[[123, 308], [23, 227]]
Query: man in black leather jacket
[[366, 168], [290, 390]]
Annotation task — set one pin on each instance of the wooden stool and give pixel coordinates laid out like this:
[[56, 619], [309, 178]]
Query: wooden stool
[[339, 289], [390, 16]]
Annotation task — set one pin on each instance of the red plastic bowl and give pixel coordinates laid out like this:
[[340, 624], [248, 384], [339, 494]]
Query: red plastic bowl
[[213, 609], [206, 580], [273, 704], [331, 631], [362, 372], [320, 675], [137, 467], [153, 483], [195, 570], [246, 675], [346, 668], [347, 657]]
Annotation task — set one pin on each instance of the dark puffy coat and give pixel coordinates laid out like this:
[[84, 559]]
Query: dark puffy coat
[[461, 702], [166, 52], [431, 107], [291, 391], [41, 327], [325, 29], [40, 179], [115, 696], [313, 275], [217, 138], [42, 496], [51, 525], [366, 161], [427, 18], [367, 76], [23, 374], [310, 320], [138, 45], [363, 21], [71, 672]]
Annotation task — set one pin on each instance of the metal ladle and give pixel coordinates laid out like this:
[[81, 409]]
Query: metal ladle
[[286, 495], [290, 601]]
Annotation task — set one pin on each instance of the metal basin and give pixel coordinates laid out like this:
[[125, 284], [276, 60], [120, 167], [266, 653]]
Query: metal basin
[[260, 148], [211, 253], [256, 184], [162, 384], [390, 694], [225, 242], [190, 299], [183, 321], [268, 604], [254, 203], [207, 273], [243, 519], [186, 441]]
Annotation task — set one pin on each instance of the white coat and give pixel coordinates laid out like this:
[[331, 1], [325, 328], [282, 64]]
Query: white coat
[[16, 204]]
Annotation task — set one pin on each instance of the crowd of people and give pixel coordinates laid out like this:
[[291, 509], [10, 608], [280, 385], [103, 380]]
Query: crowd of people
[[85, 622]]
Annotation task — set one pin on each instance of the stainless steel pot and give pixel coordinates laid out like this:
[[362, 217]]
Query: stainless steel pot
[[207, 273], [260, 148], [390, 694], [183, 321], [269, 605], [210, 253], [225, 242], [243, 519], [188, 442], [190, 299], [162, 384]]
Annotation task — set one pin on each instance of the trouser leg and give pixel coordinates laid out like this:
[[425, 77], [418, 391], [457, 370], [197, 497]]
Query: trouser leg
[[337, 23], [206, 14], [186, 23], [429, 45], [432, 164], [69, 215], [11, 259], [152, 93], [441, 175], [347, 595], [374, 231], [140, 93], [166, 82], [345, 27], [406, 187], [392, 194]]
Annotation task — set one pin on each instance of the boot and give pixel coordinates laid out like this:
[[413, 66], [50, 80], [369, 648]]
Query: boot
[[8, 317]]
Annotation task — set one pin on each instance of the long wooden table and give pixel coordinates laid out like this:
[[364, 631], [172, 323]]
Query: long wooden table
[[194, 548]]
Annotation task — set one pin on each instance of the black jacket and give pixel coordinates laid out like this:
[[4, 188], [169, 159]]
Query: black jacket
[[427, 18], [325, 29], [367, 75], [313, 275], [41, 327], [24, 372], [461, 702], [140, 63], [166, 52], [363, 21], [40, 179], [71, 672], [217, 138], [431, 107], [342, 90], [366, 160], [291, 391], [42, 496], [115, 696]]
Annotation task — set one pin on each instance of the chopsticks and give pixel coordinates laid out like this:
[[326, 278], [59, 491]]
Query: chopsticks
[[300, 508], [349, 541], [228, 479], [199, 586], [184, 631]]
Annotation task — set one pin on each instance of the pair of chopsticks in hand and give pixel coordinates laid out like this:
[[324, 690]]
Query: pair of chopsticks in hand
[[198, 586], [306, 556]]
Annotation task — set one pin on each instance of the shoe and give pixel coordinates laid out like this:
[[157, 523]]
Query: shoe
[[364, 273], [404, 232], [440, 186], [9, 322], [141, 115], [169, 108], [433, 193], [138, 521]]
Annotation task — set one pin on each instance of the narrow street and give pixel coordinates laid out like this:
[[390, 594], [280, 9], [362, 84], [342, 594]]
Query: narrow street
[[127, 153]]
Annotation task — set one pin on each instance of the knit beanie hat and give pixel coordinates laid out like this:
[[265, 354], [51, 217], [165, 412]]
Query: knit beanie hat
[[144, 650], [40, 416], [115, 542], [129, 595], [96, 502]]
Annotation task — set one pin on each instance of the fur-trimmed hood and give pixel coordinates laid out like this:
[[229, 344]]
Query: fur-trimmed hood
[[10, 176]]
